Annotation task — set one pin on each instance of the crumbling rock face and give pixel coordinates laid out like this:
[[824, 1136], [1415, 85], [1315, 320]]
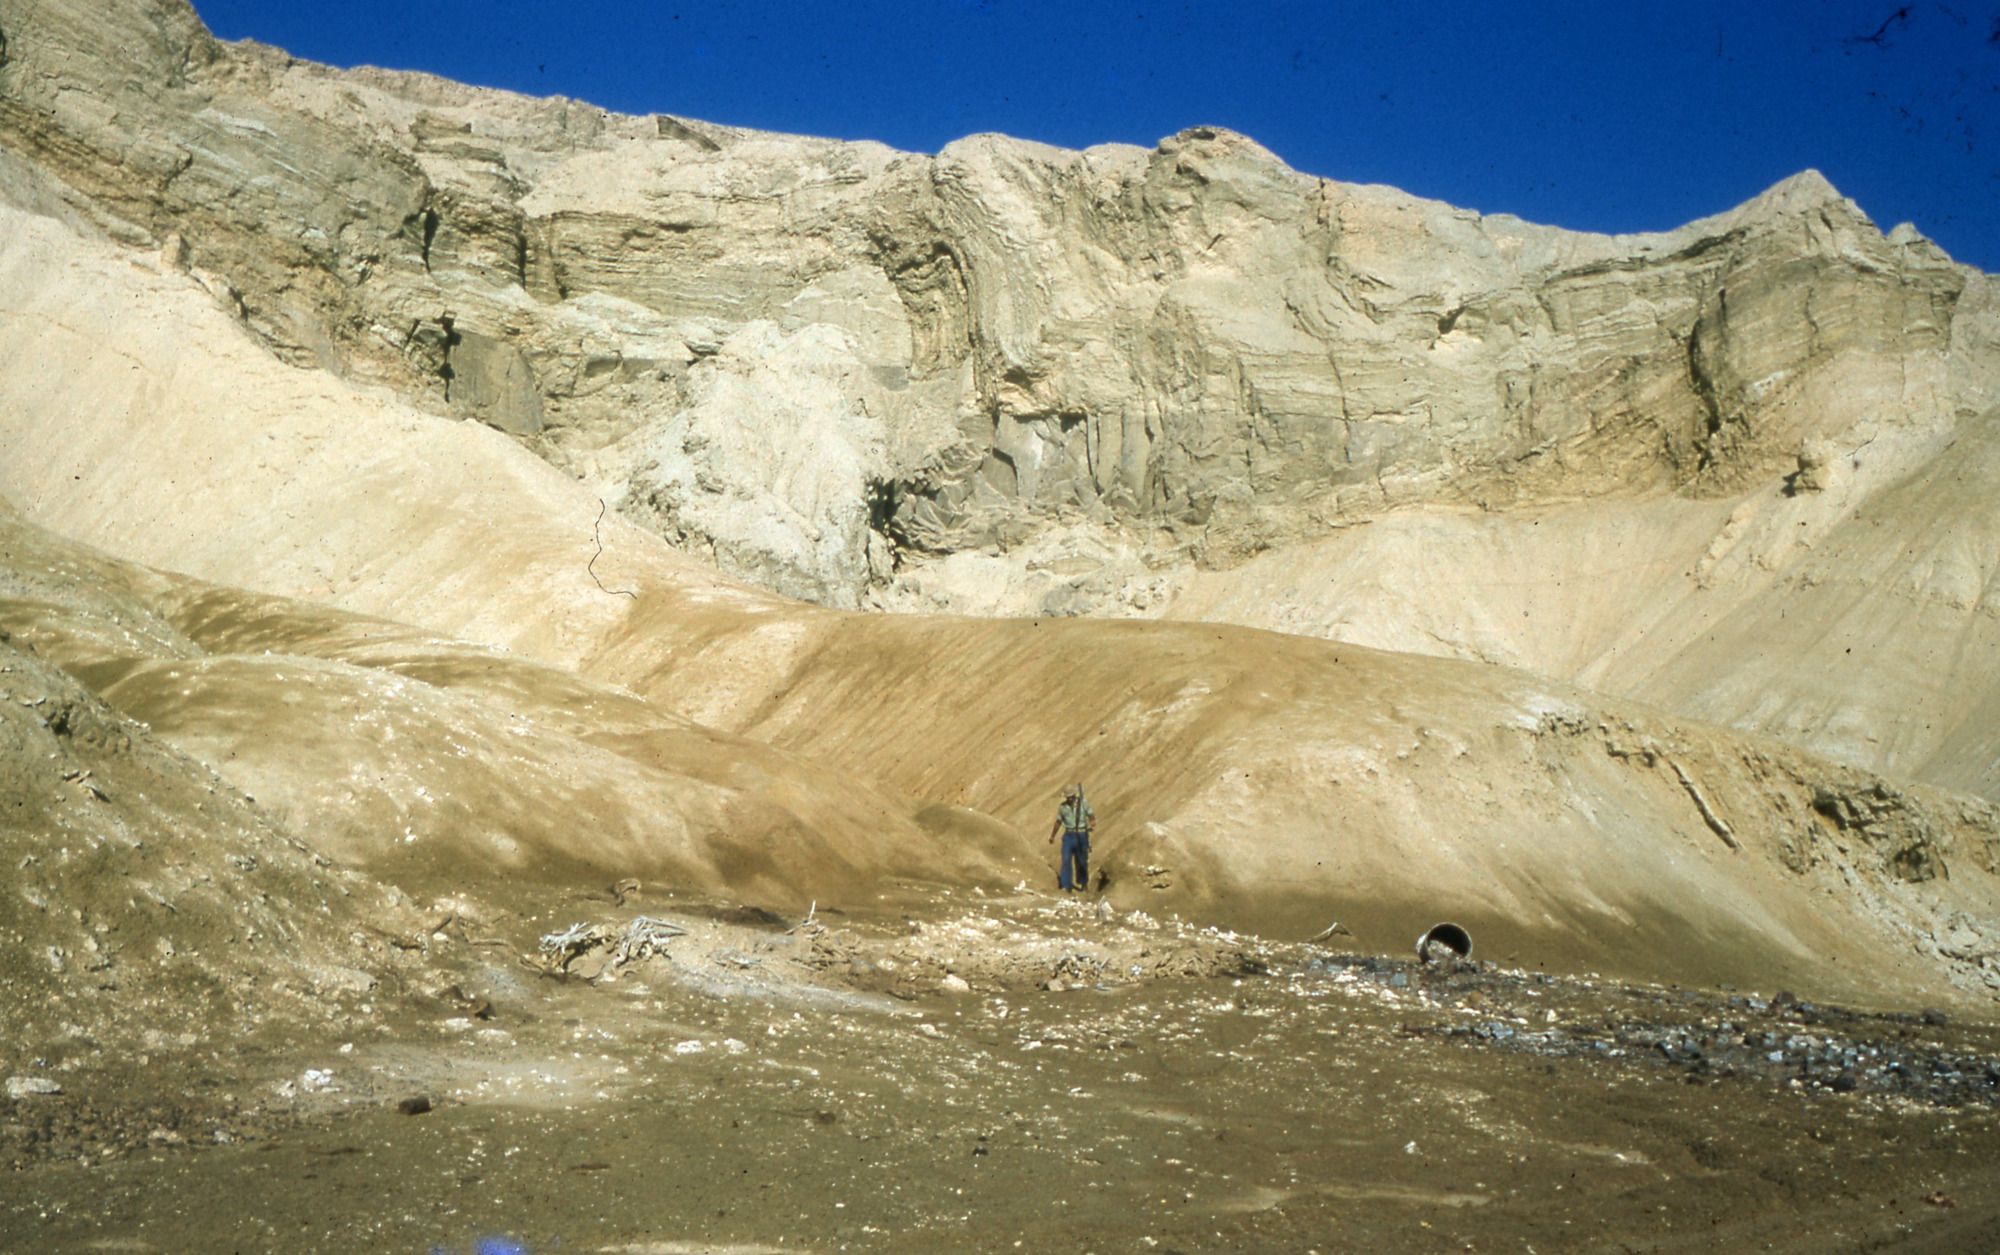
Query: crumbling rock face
[[824, 362], [1905, 836]]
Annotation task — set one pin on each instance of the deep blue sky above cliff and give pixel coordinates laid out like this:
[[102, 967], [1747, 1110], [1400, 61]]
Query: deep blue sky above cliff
[[1604, 117]]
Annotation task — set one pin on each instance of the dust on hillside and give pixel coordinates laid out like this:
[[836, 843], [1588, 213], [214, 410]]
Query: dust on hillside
[[1018, 1071]]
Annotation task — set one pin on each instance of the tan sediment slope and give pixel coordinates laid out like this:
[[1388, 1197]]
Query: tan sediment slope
[[153, 915], [439, 766], [1275, 783], [1274, 780], [1861, 620]]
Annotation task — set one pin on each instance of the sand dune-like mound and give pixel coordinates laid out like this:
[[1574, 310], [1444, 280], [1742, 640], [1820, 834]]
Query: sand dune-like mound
[[486, 437], [435, 765]]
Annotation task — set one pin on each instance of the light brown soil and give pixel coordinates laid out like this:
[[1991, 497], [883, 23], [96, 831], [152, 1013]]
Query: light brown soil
[[766, 1089]]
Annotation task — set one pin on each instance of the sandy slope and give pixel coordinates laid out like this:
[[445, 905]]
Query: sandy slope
[[1275, 780], [154, 915], [1861, 621], [1855, 611], [438, 765]]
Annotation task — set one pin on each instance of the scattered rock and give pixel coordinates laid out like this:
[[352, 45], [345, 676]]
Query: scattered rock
[[32, 1087], [414, 1105], [1817, 462]]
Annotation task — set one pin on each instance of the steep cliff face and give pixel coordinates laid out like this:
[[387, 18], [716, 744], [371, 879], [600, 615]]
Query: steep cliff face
[[1183, 355]]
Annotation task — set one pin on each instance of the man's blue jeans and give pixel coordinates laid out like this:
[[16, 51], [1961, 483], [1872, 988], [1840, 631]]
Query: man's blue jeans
[[1075, 853]]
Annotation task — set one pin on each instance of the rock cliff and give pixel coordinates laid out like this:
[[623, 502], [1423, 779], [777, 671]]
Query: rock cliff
[[1160, 358]]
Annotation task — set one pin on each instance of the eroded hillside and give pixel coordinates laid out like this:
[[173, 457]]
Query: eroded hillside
[[953, 351], [1187, 381], [1860, 618], [756, 746]]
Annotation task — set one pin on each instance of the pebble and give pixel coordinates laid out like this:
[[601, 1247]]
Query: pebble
[[1847, 1052]]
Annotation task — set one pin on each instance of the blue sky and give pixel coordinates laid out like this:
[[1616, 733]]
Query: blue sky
[[1597, 116]]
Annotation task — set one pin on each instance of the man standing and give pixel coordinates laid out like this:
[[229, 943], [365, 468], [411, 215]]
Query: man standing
[[1073, 822]]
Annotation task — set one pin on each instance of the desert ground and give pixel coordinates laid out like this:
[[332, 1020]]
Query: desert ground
[[913, 1076]]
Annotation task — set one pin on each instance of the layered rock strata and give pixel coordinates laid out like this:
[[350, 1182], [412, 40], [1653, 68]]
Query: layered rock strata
[[1190, 353]]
